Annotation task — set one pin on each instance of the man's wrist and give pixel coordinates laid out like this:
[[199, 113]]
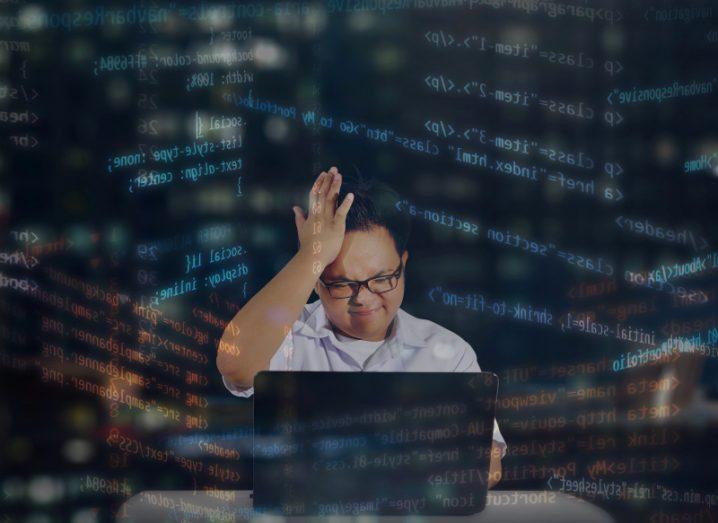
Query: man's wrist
[[313, 263], [316, 256]]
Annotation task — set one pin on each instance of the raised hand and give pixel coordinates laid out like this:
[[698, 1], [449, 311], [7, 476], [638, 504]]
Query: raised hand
[[322, 232]]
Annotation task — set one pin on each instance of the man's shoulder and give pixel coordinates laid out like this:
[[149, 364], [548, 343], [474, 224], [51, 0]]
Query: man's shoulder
[[310, 319], [309, 309]]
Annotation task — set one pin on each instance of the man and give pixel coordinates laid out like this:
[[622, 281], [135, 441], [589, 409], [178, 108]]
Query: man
[[353, 255]]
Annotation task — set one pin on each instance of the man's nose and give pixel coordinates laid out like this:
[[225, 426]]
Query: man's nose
[[362, 296]]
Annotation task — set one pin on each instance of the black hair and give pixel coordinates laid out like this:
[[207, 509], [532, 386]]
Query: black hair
[[374, 205]]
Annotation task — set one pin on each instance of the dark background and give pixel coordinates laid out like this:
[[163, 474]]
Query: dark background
[[73, 229]]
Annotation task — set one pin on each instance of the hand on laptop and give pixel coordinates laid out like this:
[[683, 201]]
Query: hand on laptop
[[322, 232]]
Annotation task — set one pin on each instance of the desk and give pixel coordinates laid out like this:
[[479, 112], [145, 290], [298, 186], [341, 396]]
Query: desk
[[506, 506]]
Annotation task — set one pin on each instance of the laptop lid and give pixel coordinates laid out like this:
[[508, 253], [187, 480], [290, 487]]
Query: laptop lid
[[386, 443]]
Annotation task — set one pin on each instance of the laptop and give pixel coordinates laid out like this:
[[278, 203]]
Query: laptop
[[379, 443]]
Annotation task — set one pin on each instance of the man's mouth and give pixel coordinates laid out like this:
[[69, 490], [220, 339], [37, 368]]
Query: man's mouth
[[364, 312]]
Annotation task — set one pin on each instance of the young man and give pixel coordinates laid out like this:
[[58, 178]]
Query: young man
[[353, 255]]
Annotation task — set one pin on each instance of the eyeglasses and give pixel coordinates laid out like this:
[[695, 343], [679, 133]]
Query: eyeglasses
[[377, 285]]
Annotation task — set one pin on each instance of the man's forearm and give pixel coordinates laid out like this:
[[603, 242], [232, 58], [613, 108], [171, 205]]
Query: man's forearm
[[252, 337]]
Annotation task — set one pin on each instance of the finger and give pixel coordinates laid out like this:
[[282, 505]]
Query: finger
[[318, 180], [333, 194], [333, 169], [317, 183], [299, 218], [343, 209], [321, 200], [314, 193], [326, 184]]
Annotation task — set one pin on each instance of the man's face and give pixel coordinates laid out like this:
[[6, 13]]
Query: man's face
[[364, 254]]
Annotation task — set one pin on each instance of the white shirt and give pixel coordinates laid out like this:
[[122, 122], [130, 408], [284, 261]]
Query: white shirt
[[414, 345], [359, 350]]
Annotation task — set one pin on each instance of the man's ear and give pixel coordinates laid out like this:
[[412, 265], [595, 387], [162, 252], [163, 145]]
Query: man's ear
[[404, 257]]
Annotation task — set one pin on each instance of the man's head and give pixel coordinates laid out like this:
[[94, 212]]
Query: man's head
[[374, 247]]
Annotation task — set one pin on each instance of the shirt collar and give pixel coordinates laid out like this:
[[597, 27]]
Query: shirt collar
[[317, 326]]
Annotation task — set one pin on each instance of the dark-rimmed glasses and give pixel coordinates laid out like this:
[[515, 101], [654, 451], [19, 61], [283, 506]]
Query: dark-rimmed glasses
[[377, 285]]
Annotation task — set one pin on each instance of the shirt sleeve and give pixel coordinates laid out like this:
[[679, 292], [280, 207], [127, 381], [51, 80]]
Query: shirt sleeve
[[499, 439], [282, 360], [469, 363]]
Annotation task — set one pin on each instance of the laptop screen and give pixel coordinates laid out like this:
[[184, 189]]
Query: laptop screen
[[372, 443]]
